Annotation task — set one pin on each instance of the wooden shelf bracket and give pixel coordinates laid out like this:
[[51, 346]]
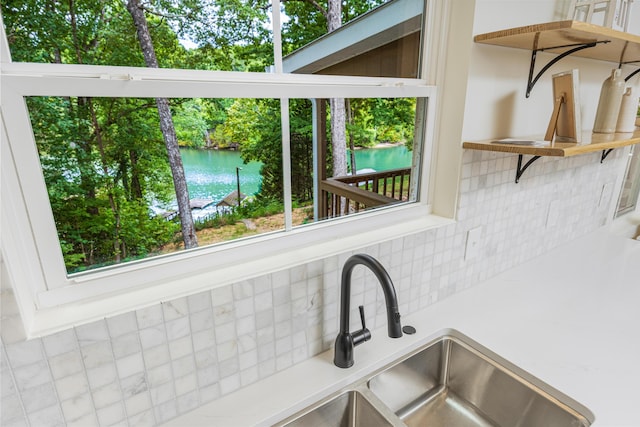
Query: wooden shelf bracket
[[534, 52], [520, 170]]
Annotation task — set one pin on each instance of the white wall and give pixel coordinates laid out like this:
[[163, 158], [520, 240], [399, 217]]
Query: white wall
[[496, 105]]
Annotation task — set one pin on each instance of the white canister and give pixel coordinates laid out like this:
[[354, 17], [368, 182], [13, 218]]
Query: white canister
[[609, 104], [628, 111]]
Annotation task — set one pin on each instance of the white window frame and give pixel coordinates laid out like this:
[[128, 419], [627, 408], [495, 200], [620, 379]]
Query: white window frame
[[50, 300]]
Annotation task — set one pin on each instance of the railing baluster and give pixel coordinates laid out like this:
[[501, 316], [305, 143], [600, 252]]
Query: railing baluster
[[337, 203], [408, 185], [393, 187]]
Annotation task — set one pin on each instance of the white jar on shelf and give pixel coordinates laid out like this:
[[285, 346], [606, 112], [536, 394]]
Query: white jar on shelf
[[628, 111], [609, 103]]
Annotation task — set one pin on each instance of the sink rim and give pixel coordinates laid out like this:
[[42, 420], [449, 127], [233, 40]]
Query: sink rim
[[519, 374], [359, 388]]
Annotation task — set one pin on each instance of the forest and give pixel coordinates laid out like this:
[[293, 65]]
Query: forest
[[105, 161]]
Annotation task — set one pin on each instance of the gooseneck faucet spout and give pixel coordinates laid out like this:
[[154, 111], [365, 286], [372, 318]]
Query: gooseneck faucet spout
[[346, 341]]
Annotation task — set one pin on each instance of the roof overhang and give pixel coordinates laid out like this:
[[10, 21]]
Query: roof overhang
[[386, 23]]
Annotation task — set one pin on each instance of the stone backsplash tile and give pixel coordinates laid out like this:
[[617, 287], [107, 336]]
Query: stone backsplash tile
[[151, 365]]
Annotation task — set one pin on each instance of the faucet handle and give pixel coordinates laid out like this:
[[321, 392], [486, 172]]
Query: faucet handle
[[363, 334], [361, 308]]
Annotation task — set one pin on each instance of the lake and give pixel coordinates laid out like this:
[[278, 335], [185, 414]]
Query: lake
[[211, 174]]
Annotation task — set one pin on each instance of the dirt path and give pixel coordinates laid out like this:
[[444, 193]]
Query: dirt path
[[244, 228]]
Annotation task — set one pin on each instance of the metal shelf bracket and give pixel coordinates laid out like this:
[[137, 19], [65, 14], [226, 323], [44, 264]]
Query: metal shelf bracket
[[521, 168], [605, 153], [626, 79], [534, 52]]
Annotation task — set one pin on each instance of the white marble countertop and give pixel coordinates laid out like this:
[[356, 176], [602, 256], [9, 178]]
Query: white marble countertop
[[570, 318]]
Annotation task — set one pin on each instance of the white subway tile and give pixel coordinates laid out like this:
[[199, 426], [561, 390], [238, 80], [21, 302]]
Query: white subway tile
[[111, 414], [175, 309], [50, 417], [149, 316], [106, 395], [122, 324], [61, 342], [24, 353], [137, 404], [92, 333], [39, 397], [199, 302], [77, 407], [72, 386], [32, 375]]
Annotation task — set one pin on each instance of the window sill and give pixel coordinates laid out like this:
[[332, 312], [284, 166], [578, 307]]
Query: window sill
[[73, 305]]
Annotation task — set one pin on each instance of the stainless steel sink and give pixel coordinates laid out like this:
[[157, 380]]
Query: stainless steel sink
[[450, 381], [348, 409], [455, 381]]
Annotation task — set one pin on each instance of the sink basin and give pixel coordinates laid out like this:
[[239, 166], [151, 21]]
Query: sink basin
[[450, 381], [456, 382], [348, 409]]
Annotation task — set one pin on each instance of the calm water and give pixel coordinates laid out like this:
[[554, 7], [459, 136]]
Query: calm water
[[211, 174], [382, 159]]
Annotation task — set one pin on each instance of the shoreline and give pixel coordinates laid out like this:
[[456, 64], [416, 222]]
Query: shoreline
[[235, 148]]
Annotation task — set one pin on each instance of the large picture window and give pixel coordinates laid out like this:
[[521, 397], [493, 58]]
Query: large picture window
[[110, 184], [220, 155]]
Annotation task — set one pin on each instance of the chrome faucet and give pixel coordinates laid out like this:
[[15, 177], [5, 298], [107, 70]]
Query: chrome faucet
[[346, 341]]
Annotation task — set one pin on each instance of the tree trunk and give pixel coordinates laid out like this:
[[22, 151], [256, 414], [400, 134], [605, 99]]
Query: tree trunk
[[338, 120], [117, 254], [338, 136], [338, 127], [352, 145], [334, 15], [136, 183], [168, 130]]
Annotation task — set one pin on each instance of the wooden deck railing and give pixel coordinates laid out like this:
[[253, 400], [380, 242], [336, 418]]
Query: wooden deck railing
[[348, 194]]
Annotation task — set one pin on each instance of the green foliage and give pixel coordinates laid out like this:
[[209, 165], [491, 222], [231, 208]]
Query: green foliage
[[99, 193], [103, 159], [254, 124], [382, 120], [306, 22], [142, 231], [190, 123], [255, 208]]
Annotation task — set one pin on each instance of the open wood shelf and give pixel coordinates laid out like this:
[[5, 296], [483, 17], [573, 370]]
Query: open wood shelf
[[614, 46], [567, 38], [590, 142], [564, 38]]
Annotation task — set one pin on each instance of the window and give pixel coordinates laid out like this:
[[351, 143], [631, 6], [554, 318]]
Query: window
[[631, 187], [32, 248], [111, 189]]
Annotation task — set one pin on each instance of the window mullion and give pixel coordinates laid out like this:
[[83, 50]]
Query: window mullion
[[286, 163]]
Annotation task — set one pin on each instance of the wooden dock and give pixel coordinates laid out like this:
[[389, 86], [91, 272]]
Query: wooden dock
[[231, 199], [200, 203]]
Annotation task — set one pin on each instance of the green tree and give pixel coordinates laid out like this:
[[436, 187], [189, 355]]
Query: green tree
[[191, 125], [306, 26], [104, 160], [169, 136], [98, 155], [255, 125]]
